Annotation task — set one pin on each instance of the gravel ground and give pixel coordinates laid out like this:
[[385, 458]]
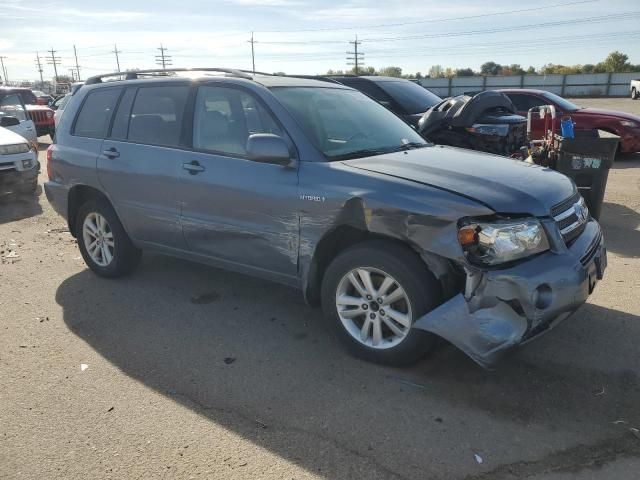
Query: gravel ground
[[184, 371]]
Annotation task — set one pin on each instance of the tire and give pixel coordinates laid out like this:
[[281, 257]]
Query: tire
[[634, 94], [124, 255], [422, 294], [52, 133]]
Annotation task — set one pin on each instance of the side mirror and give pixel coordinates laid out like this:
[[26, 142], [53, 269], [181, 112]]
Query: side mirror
[[268, 148], [9, 121]]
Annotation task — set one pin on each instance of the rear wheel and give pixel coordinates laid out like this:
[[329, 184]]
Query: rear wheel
[[104, 244], [372, 294], [634, 94]]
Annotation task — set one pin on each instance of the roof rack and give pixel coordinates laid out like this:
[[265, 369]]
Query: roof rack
[[159, 72]]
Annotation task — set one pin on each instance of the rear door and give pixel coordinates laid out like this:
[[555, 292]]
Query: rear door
[[12, 105], [235, 210], [140, 161]]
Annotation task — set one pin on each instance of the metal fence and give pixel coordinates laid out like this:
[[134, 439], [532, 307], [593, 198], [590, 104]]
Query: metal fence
[[572, 85]]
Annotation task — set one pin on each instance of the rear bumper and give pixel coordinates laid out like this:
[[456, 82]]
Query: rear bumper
[[512, 306], [58, 196]]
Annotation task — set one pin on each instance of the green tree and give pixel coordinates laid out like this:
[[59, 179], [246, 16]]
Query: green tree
[[390, 72], [465, 72], [490, 68], [617, 62], [531, 70]]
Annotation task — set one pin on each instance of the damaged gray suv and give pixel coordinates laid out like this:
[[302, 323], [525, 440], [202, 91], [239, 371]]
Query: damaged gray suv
[[314, 185]]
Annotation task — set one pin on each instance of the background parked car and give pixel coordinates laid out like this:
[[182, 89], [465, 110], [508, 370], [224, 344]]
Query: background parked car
[[403, 97], [634, 88], [41, 115], [12, 109], [42, 98], [18, 164], [58, 107], [625, 125]]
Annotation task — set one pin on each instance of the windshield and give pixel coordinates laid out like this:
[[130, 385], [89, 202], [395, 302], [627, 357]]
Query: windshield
[[411, 96], [345, 124], [565, 105]]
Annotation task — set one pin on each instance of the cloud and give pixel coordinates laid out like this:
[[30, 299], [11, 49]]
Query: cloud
[[268, 3]]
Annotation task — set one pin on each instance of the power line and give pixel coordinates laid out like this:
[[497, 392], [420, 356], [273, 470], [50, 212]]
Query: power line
[[432, 20], [526, 28], [357, 58], [163, 59], [55, 61]]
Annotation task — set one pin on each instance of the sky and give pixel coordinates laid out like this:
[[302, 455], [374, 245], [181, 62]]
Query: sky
[[310, 37]]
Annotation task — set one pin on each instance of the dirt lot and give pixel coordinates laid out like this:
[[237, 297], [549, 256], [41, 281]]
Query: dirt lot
[[184, 371]]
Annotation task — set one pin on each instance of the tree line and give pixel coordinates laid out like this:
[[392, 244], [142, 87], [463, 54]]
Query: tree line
[[614, 62]]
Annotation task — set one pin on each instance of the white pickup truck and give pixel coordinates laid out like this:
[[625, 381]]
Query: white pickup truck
[[634, 88]]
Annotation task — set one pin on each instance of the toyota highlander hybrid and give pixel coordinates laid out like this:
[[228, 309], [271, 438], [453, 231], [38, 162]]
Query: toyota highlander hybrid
[[315, 185]]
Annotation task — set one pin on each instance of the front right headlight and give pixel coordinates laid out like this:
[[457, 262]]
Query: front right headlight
[[496, 242], [13, 149]]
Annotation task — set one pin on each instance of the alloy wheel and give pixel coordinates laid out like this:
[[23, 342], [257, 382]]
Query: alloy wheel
[[98, 239], [373, 308]]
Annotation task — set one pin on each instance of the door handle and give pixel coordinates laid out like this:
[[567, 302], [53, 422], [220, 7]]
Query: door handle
[[111, 153], [193, 167]]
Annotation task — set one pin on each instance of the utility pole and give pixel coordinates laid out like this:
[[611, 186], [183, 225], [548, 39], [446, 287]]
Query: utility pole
[[116, 51], [253, 55], [4, 70], [72, 71], [163, 59], [55, 61], [39, 65], [75, 54], [357, 58]]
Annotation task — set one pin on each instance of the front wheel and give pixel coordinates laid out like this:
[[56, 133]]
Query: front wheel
[[634, 94], [372, 294], [104, 244]]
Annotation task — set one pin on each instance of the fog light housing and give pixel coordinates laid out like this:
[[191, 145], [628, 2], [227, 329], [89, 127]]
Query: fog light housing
[[26, 164]]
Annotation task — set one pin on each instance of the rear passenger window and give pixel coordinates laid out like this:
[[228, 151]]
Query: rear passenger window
[[95, 114], [225, 117], [156, 117], [120, 126]]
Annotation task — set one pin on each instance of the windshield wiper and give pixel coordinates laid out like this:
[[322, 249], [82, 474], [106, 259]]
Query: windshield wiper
[[412, 145], [365, 152]]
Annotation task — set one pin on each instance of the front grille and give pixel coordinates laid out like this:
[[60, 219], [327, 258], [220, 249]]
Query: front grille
[[38, 116], [7, 166], [571, 217]]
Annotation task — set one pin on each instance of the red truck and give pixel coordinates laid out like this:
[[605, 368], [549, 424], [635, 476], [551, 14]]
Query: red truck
[[625, 125], [41, 115]]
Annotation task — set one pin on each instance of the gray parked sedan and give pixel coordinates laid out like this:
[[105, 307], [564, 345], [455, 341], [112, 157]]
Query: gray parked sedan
[[315, 185]]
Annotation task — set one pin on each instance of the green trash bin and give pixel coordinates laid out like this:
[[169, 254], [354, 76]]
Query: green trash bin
[[586, 159]]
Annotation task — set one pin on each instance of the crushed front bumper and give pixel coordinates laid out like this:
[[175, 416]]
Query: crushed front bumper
[[511, 306], [13, 181]]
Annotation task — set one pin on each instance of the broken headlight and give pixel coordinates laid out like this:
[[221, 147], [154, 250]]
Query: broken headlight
[[492, 243]]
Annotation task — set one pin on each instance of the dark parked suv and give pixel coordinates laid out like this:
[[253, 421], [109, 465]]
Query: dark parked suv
[[315, 185]]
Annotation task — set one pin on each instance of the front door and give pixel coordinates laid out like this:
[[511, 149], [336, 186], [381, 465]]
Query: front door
[[140, 161], [235, 210]]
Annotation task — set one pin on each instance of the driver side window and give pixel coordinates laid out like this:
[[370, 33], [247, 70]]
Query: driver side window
[[11, 105], [224, 119]]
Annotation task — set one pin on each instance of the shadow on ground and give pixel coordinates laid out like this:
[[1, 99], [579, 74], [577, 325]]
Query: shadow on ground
[[17, 207], [251, 356], [622, 229]]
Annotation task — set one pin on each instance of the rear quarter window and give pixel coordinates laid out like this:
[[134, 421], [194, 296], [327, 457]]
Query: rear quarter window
[[95, 113]]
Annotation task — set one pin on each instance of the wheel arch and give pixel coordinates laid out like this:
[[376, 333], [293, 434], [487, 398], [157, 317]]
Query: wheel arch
[[345, 236], [79, 195]]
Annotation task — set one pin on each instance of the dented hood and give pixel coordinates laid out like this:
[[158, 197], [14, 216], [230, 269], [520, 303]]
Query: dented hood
[[502, 184]]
